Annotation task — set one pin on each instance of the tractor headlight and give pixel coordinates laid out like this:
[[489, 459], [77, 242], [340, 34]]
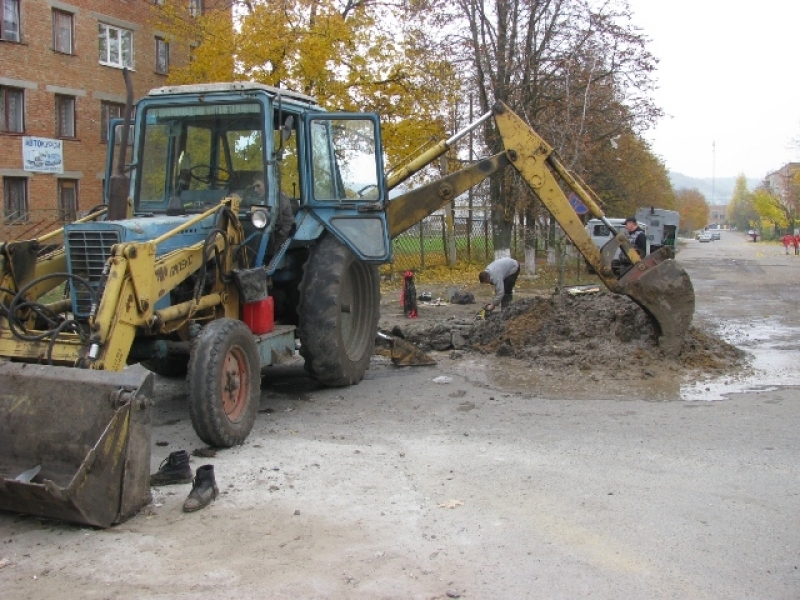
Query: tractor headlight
[[259, 217]]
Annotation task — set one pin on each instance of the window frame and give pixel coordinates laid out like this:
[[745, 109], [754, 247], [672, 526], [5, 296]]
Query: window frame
[[103, 30], [58, 13], [3, 34], [106, 118], [161, 42], [196, 8], [67, 213], [24, 213], [4, 91], [60, 101]]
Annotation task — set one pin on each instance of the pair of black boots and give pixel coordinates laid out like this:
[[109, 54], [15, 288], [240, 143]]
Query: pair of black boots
[[175, 469]]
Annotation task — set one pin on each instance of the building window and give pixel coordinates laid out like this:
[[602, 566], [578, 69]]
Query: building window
[[9, 26], [11, 110], [116, 46], [65, 116], [15, 199], [67, 199], [162, 56], [63, 32], [196, 8], [108, 111]]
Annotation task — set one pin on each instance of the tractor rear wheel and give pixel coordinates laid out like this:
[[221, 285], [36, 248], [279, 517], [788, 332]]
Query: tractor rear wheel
[[224, 383], [338, 313]]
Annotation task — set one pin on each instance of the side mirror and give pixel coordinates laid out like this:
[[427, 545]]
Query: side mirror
[[287, 127]]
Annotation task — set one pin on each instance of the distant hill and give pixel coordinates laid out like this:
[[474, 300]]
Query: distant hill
[[722, 186]]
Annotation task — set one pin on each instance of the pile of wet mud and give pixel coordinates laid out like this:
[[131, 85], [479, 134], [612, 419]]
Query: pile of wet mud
[[601, 330]]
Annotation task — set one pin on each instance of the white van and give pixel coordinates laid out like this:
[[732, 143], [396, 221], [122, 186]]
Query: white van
[[601, 234]]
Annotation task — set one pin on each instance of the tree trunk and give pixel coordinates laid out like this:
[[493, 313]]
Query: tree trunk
[[530, 241], [501, 227]]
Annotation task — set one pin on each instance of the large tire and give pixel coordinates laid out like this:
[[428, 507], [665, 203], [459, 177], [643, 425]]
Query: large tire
[[338, 313], [172, 366], [224, 383]]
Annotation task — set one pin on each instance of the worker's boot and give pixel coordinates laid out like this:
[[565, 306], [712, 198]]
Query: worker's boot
[[506, 301], [173, 469], [204, 489]]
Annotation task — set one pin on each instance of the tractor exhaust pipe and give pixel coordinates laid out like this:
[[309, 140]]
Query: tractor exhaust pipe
[[120, 183]]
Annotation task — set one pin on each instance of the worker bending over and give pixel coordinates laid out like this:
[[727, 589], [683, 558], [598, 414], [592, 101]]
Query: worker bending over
[[502, 274]]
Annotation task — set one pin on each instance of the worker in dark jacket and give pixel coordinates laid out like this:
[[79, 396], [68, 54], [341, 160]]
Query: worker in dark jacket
[[636, 236], [502, 274]]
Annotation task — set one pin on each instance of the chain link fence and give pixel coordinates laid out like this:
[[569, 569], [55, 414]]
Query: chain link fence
[[427, 244]]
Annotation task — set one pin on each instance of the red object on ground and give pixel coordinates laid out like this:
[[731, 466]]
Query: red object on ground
[[259, 316], [408, 296]]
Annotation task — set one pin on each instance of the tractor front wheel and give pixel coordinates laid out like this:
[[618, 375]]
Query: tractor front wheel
[[338, 313], [224, 383]]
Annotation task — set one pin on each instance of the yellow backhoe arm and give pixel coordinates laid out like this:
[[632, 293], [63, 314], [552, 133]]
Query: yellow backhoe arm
[[655, 282]]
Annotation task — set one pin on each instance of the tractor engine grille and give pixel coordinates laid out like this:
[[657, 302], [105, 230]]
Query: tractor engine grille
[[88, 252]]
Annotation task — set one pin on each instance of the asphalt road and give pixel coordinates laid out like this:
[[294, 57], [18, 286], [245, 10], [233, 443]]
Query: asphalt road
[[402, 487]]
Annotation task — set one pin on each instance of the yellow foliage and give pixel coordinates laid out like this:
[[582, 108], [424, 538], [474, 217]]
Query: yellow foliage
[[350, 56], [769, 208]]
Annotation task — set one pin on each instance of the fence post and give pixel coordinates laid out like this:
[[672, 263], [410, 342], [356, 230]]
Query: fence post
[[486, 234], [422, 244]]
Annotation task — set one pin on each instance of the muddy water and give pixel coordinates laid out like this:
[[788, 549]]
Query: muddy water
[[748, 294], [775, 355]]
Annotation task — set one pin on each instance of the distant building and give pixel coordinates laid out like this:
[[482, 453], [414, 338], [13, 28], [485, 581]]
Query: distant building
[[781, 182], [716, 215], [60, 84]]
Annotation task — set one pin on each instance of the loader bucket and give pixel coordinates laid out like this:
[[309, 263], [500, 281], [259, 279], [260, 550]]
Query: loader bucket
[[74, 443], [665, 291]]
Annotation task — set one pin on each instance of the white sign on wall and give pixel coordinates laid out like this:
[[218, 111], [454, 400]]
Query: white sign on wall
[[42, 155]]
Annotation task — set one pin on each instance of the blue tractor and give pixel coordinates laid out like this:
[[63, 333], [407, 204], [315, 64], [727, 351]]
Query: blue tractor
[[247, 221]]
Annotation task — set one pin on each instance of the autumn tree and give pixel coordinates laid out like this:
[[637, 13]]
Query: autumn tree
[[770, 210], [577, 71], [627, 175], [359, 55], [693, 209], [741, 213]]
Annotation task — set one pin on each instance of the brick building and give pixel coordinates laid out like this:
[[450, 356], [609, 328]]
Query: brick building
[[60, 83]]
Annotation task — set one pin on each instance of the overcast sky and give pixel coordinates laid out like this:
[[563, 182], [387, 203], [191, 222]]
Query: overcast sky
[[727, 76]]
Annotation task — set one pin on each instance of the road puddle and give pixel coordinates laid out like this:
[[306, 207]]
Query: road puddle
[[775, 354]]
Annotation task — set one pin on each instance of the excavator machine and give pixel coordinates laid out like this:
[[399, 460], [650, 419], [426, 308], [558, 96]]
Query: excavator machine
[[247, 220]]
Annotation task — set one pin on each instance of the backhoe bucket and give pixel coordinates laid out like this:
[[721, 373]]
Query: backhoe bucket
[[74, 443], [665, 291]]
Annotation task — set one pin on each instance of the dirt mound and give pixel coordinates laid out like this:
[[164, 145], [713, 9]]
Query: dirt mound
[[595, 331]]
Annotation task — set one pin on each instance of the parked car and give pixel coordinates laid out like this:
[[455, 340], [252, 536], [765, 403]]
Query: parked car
[[715, 235], [704, 237]]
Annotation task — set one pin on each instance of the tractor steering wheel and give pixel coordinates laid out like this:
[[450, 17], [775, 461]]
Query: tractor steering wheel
[[212, 177]]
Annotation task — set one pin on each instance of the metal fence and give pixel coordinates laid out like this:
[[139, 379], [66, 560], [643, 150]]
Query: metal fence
[[427, 244]]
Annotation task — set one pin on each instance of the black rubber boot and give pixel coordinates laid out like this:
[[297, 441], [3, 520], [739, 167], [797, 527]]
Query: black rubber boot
[[173, 469], [204, 489]]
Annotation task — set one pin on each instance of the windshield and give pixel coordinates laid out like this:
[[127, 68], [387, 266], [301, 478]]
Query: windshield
[[193, 156]]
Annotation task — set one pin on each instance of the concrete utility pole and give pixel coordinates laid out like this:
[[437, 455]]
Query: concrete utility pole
[[713, 172]]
